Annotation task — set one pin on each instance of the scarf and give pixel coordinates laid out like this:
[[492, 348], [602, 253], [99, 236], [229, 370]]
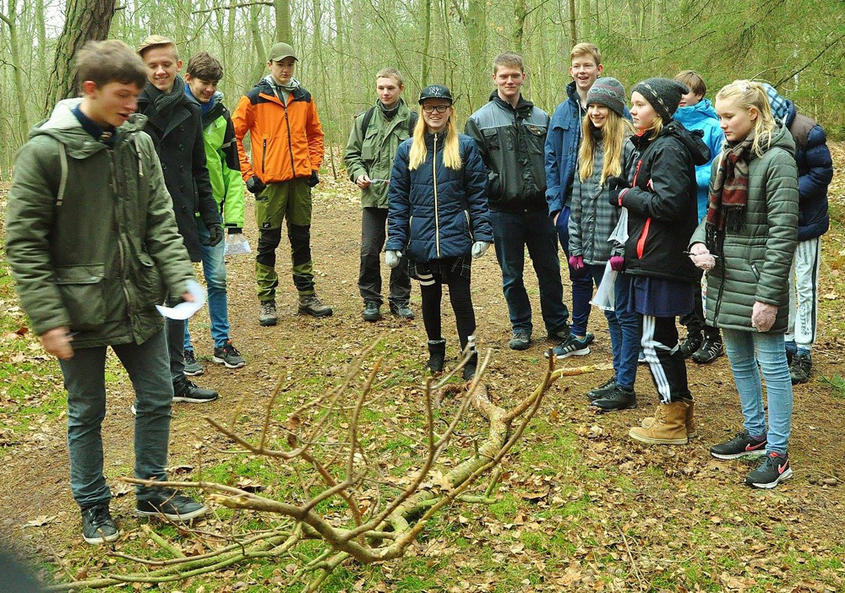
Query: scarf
[[164, 103], [389, 113], [728, 194]]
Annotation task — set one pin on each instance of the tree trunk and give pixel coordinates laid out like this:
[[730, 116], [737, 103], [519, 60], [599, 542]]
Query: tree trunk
[[84, 20], [283, 28], [260, 52], [17, 67], [520, 13], [477, 44], [426, 42], [573, 32]]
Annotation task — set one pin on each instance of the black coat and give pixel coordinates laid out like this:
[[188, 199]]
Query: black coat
[[179, 144]]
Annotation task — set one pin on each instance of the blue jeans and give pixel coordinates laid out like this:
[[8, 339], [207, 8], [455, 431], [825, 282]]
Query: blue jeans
[[512, 233], [84, 375], [582, 281], [214, 269], [624, 327], [771, 355]]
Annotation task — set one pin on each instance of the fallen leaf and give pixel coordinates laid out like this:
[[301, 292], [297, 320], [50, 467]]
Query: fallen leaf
[[40, 521]]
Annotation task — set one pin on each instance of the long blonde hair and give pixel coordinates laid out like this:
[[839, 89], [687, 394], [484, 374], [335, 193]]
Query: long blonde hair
[[616, 128], [748, 94], [451, 148]]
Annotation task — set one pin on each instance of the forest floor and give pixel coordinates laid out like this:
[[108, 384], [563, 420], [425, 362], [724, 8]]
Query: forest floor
[[581, 506]]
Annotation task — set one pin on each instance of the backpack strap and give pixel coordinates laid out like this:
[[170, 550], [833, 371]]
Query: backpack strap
[[412, 123], [800, 129], [365, 123]]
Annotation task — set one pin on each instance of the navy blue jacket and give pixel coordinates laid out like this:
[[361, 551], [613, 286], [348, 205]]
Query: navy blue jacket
[[561, 150], [435, 212]]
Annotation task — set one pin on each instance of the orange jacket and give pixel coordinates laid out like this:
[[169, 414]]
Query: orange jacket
[[287, 140]]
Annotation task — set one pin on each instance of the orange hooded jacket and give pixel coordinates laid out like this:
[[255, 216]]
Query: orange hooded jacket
[[287, 140]]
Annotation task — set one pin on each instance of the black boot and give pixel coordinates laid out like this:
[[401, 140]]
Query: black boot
[[471, 365], [436, 355]]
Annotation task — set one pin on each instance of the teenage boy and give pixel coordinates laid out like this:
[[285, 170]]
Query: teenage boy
[[703, 342], [511, 131], [375, 136], [815, 172], [287, 150], [224, 172], [174, 122], [93, 244]]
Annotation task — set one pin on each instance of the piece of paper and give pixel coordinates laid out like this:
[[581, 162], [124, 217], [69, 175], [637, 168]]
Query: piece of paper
[[237, 245], [185, 309]]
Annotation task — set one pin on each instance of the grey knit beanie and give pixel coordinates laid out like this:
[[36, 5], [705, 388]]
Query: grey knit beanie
[[664, 94], [609, 92]]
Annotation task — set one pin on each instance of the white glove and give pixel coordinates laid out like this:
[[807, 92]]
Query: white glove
[[391, 258], [478, 248]]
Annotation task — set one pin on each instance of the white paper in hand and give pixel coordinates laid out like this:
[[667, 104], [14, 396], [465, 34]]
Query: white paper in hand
[[186, 309]]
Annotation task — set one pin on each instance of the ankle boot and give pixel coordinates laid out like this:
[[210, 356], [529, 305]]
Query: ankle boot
[[436, 355], [690, 420], [668, 427], [470, 367]]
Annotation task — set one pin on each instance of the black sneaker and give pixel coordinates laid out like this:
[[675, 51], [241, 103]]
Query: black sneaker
[[711, 349], [193, 394], [371, 311], [799, 370], [619, 398], [97, 524], [192, 366], [602, 390], [402, 310], [690, 345], [521, 340], [774, 469], [229, 356], [573, 347], [742, 445], [171, 504]]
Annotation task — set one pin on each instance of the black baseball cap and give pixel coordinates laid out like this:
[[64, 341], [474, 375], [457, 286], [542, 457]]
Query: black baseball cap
[[435, 91]]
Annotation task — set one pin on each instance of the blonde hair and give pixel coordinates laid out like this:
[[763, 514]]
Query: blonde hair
[[391, 73], [451, 148], [748, 94], [585, 49], [508, 59], [616, 128]]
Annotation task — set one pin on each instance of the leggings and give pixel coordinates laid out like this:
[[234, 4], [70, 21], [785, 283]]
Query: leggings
[[461, 300]]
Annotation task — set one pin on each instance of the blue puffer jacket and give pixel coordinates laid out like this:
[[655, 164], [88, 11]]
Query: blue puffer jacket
[[702, 116], [561, 150], [435, 212]]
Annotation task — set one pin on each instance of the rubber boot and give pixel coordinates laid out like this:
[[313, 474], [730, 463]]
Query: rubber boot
[[436, 355], [690, 420], [668, 428]]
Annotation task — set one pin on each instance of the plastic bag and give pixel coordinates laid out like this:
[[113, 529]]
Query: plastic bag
[[237, 245], [605, 297]]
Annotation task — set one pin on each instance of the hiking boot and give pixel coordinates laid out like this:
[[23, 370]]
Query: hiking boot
[[562, 333], [309, 304], [402, 310], [267, 315], [171, 504], [228, 355], [690, 420], [97, 524], [668, 427], [602, 390], [193, 394], [436, 355], [371, 311], [619, 398], [470, 367], [192, 366], [690, 345], [774, 469], [521, 340], [711, 349], [799, 370], [742, 445], [573, 347]]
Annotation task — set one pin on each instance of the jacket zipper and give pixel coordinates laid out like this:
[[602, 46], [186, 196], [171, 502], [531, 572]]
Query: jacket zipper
[[290, 143], [436, 207], [263, 155]]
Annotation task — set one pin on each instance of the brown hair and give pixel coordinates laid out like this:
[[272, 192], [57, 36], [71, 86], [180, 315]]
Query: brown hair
[[110, 61], [205, 66], [586, 49], [508, 58], [390, 73], [693, 80]]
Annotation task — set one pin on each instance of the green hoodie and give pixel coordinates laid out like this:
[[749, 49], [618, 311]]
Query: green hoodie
[[91, 236]]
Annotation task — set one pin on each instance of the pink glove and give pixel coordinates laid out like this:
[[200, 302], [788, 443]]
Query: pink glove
[[616, 263], [576, 262]]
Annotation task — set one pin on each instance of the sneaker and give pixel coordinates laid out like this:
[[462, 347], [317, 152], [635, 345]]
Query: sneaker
[[641, 357], [133, 409], [620, 398], [742, 445], [310, 304], [602, 390], [562, 333], [192, 367], [521, 340], [267, 314], [690, 345], [228, 355], [97, 524], [171, 504], [573, 347], [773, 470], [799, 370], [193, 394], [371, 311], [711, 349], [402, 310]]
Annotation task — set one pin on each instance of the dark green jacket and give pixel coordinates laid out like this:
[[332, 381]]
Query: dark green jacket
[[756, 259], [372, 153], [91, 236]]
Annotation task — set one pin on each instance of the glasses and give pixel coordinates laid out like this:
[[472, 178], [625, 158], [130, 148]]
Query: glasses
[[435, 108]]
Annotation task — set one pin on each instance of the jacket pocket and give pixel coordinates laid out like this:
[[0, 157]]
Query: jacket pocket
[[83, 294], [535, 138], [150, 287]]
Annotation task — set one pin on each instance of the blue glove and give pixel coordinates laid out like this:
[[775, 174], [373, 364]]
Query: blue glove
[[391, 258], [478, 248]]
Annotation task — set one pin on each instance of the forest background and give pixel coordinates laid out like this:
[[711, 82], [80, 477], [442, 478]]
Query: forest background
[[795, 45]]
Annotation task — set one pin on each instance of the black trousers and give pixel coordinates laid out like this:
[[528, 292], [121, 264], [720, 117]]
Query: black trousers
[[459, 296], [373, 234], [694, 321]]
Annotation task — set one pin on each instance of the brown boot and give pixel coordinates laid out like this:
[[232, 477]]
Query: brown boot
[[668, 428], [690, 421]]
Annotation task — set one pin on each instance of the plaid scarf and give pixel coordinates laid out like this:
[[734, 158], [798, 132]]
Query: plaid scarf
[[728, 194]]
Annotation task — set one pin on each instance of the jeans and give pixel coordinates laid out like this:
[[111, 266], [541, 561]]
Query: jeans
[[624, 327], [582, 283], [84, 376], [512, 233], [771, 356], [214, 269], [373, 233], [804, 295]]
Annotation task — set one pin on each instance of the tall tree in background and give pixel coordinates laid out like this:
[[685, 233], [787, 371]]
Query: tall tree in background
[[84, 20]]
